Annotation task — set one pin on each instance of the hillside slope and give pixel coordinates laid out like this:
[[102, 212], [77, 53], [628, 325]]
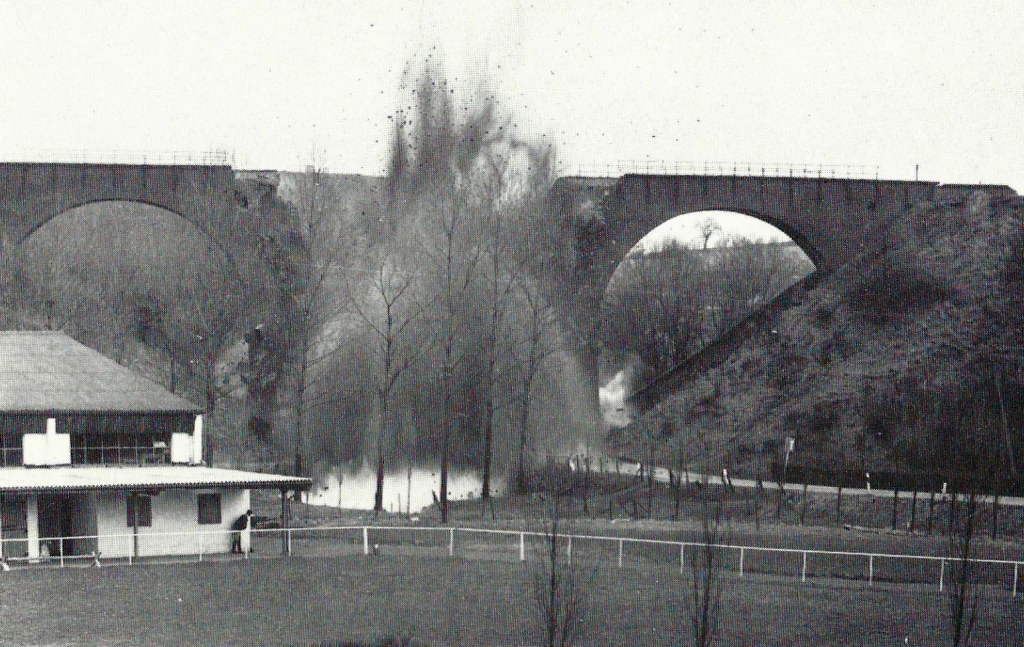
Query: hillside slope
[[936, 312]]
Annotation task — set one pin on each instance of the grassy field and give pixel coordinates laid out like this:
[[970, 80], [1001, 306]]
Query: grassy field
[[461, 601]]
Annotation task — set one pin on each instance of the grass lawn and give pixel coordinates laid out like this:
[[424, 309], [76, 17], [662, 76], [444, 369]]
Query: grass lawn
[[303, 601]]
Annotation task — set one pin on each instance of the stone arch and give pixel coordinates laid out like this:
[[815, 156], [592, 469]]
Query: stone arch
[[33, 194], [831, 219]]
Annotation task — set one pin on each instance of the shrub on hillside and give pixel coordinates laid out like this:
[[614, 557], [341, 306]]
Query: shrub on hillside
[[896, 283]]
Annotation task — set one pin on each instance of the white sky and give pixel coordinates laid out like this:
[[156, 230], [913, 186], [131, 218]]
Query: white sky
[[891, 84]]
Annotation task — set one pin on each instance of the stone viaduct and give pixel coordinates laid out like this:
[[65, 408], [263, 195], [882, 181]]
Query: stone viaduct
[[599, 219], [830, 219], [33, 194]]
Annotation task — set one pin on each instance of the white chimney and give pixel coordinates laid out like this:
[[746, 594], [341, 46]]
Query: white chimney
[[197, 441]]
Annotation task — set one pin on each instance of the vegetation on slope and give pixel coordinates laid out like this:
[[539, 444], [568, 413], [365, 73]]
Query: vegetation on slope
[[906, 361]]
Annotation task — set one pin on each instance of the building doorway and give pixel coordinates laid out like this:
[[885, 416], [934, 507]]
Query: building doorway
[[67, 524]]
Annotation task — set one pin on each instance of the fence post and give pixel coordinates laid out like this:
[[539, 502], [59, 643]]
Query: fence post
[[741, 561], [942, 574], [1015, 579], [522, 546], [803, 571], [620, 553], [871, 569], [61, 540], [568, 551], [366, 541], [289, 538], [682, 557], [451, 542]]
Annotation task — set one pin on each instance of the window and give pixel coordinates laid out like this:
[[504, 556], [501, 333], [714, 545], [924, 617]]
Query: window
[[10, 449], [120, 449], [209, 508], [143, 503]]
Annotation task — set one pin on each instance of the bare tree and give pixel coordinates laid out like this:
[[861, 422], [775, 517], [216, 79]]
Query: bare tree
[[533, 345], [969, 431], [708, 228], [313, 247], [388, 310], [560, 580], [707, 565]]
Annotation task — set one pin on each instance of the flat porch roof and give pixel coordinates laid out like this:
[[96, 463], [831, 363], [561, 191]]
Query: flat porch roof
[[188, 477]]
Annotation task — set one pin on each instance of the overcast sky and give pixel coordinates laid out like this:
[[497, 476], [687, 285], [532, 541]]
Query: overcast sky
[[886, 84]]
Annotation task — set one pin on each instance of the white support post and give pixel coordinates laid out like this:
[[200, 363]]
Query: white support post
[[451, 542], [289, 542], [803, 571], [620, 553], [61, 541], [568, 551], [942, 575], [522, 546], [32, 526], [1015, 579], [682, 557], [366, 540], [871, 569], [741, 561]]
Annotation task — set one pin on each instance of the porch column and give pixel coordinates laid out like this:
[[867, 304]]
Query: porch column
[[32, 525], [1, 527], [133, 501]]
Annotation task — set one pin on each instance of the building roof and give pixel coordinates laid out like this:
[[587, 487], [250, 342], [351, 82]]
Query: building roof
[[48, 372], [188, 477]]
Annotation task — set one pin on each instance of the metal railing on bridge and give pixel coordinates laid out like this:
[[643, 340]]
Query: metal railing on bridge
[[94, 156], [742, 169]]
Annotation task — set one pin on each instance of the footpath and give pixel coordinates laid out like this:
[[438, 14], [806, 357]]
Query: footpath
[[661, 475]]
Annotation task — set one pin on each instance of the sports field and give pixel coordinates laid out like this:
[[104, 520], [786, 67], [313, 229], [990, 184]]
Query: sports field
[[469, 600]]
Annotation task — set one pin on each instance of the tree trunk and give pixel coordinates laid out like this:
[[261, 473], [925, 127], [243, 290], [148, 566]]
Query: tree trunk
[[758, 495], [378, 494], [839, 506], [803, 503], [995, 516], [446, 435], [895, 504], [952, 513], [931, 510], [524, 426], [650, 491], [586, 485], [913, 511], [485, 490], [684, 475]]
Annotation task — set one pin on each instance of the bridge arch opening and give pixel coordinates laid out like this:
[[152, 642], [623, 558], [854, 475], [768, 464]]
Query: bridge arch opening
[[132, 280], [683, 284]]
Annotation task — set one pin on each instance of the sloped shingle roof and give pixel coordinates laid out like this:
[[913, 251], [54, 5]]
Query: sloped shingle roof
[[44, 372]]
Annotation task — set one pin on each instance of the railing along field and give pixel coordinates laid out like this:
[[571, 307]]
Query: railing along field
[[624, 552]]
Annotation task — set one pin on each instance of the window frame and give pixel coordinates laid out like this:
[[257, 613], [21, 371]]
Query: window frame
[[217, 506], [145, 509]]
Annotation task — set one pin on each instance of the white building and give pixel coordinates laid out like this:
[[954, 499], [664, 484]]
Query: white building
[[94, 458]]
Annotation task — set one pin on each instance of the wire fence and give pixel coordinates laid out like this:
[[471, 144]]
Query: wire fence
[[743, 169], [511, 545]]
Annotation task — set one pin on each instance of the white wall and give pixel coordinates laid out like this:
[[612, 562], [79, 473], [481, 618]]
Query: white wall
[[174, 511]]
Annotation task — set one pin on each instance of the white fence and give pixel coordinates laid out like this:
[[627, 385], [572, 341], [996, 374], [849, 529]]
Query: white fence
[[332, 541]]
